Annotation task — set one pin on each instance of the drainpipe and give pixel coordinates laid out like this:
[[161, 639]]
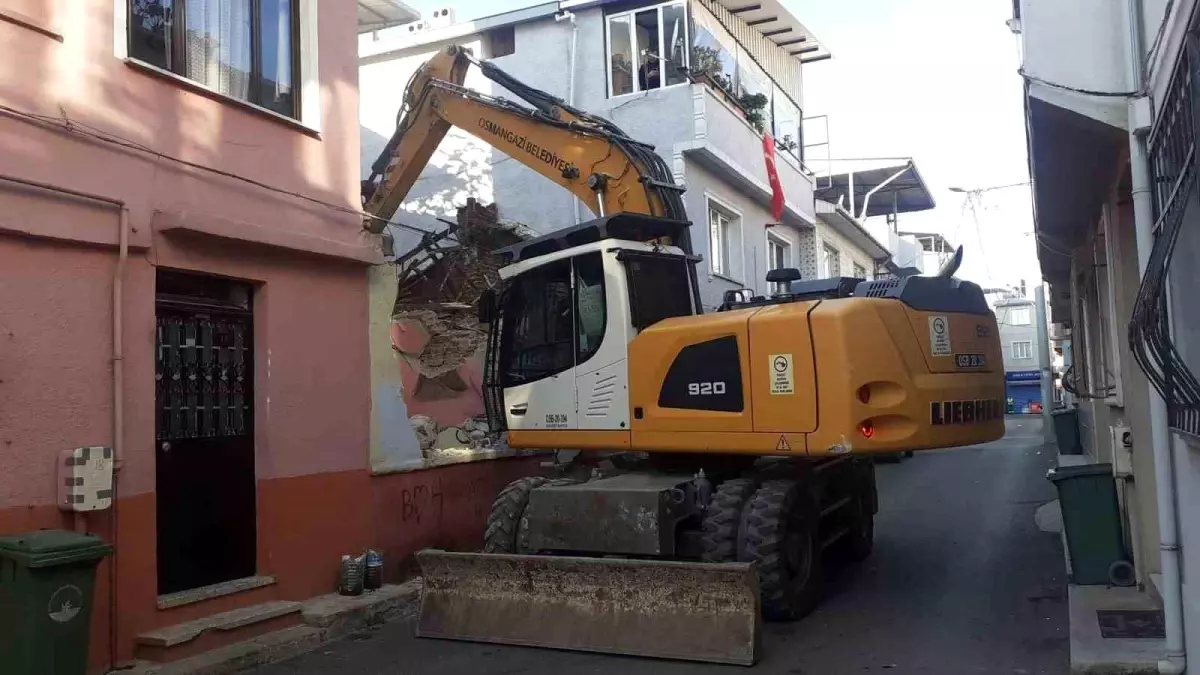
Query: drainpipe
[[570, 16], [1175, 662], [118, 370]]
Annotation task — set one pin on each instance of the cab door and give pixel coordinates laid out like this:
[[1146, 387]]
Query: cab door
[[537, 353]]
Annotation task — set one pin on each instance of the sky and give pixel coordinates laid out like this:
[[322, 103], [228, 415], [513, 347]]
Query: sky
[[935, 80]]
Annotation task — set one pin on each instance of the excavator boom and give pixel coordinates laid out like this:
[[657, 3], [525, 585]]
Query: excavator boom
[[586, 155]]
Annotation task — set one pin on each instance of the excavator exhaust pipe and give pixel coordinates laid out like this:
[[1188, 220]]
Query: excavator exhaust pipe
[[657, 608]]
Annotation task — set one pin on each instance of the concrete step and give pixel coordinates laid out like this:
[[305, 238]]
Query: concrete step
[[190, 638]]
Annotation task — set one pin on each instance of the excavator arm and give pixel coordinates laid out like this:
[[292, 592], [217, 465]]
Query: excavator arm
[[584, 154]]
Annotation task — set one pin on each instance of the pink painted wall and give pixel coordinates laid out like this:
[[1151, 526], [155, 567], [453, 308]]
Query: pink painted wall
[[55, 317]]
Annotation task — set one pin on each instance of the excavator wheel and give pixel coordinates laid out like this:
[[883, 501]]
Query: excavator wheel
[[504, 521], [860, 540], [723, 518], [780, 532]]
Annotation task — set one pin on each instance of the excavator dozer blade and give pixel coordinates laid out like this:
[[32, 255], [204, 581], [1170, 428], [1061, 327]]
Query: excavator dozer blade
[[658, 608]]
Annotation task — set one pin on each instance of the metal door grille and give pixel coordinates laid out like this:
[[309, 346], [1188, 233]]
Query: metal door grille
[[202, 379]]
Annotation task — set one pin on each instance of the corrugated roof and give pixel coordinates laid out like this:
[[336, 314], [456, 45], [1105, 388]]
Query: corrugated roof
[[379, 14]]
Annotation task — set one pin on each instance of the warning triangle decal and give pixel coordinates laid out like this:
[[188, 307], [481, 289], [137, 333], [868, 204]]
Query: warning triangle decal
[[783, 444]]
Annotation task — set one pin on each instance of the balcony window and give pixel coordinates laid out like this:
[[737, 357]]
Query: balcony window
[[786, 116], [753, 83], [647, 48], [715, 51], [244, 49]]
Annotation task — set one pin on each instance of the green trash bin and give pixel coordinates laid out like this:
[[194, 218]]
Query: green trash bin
[[1087, 496], [1066, 431], [46, 581]]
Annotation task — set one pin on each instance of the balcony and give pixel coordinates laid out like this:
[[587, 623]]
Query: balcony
[[724, 142]]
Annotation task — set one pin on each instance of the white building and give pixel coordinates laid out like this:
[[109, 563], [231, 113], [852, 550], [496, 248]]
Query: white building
[[714, 56], [1110, 104]]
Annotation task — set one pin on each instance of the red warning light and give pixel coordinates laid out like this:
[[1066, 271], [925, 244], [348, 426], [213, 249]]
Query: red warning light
[[867, 428]]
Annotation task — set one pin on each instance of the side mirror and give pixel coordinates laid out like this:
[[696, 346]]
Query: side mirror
[[486, 306]]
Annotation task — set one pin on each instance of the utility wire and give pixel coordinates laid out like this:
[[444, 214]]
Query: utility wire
[[1077, 90], [81, 129]]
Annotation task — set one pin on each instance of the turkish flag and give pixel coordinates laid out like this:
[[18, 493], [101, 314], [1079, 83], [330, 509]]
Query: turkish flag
[[773, 177]]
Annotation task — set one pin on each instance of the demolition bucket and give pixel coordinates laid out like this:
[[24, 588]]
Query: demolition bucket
[[657, 608]]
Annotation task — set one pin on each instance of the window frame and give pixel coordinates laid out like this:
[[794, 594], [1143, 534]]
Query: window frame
[[299, 111], [1028, 344], [859, 268], [632, 13], [789, 254], [1025, 312], [734, 217], [826, 250]]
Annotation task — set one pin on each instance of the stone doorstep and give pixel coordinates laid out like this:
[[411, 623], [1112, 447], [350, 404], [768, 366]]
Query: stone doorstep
[[1093, 654], [325, 618], [172, 636]]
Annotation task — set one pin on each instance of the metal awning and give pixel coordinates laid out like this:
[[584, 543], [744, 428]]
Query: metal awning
[[779, 25], [893, 189], [379, 14]]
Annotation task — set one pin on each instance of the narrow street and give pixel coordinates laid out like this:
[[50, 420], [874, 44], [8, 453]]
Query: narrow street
[[961, 582]]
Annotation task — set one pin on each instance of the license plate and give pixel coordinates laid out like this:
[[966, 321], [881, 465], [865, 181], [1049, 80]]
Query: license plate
[[970, 360]]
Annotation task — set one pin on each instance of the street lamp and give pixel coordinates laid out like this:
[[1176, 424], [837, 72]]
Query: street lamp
[[962, 190]]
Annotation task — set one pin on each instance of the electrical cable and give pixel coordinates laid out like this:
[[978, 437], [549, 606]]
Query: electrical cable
[[1076, 90], [80, 129]]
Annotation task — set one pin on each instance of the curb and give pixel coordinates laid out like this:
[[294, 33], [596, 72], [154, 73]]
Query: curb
[[325, 619]]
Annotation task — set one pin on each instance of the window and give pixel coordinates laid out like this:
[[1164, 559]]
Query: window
[[787, 124], [752, 83], [831, 264], [715, 52], [537, 325], [1022, 350], [589, 303], [1020, 316], [725, 241], [779, 256], [647, 49], [659, 286], [500, 42], [860, 272], [554, 318], [245, 49]]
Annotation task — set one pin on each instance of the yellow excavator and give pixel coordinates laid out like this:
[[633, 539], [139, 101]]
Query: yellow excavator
[[730, 452]]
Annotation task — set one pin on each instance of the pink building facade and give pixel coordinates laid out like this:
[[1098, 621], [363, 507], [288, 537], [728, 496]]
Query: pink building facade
[[184, 279]]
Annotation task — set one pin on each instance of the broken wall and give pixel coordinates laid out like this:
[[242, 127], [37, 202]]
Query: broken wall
[[427, 347]]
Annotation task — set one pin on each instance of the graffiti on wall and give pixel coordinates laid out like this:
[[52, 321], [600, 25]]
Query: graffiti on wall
[[428, 405]]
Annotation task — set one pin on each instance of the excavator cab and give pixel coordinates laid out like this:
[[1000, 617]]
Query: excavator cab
[[569, 305]]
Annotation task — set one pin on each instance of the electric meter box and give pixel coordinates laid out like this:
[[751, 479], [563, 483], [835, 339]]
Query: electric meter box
[[85, 479]]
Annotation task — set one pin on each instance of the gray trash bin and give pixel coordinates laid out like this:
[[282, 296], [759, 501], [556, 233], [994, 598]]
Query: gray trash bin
[[1066, 431], [1087, 496]]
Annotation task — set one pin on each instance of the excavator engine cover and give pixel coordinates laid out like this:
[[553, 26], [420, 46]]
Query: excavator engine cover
[[658, 608]]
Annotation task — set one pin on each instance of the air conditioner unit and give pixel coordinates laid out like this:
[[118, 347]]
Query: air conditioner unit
[[1122, 448], [441, 16]]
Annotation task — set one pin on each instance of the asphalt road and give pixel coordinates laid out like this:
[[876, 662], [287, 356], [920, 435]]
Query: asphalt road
[[961, 582]]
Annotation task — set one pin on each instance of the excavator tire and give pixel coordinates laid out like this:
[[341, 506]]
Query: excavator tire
[[780, 532], [860, 540], [723, 519], [504, 520]]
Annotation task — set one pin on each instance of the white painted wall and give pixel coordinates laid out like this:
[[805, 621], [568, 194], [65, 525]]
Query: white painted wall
[[1078, 44]]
